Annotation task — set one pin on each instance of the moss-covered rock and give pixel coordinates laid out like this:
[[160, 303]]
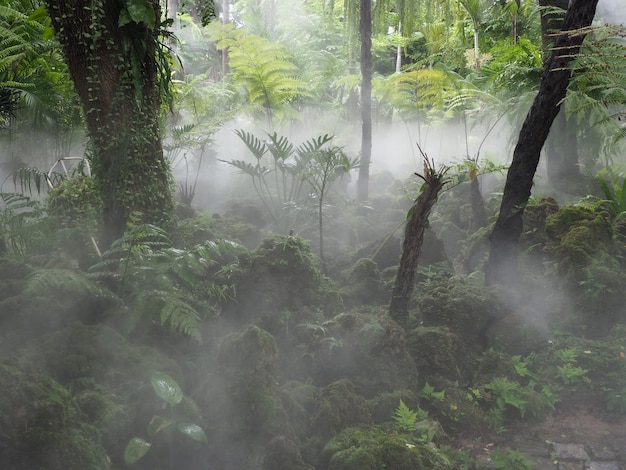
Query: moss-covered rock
[[373, 448], [43, 427], [365, 347], [438, 351], [281, 274], [364, 285], [463, 307], [283, 454]]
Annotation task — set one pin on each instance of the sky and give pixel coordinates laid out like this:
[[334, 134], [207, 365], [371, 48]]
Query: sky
[[613, 11]]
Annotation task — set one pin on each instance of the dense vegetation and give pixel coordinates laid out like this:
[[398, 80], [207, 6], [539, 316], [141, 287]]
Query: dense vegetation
[[247, 324]]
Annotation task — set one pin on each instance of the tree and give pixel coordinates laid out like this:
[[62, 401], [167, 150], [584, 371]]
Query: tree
[[120, 71], [416, 223], [366, 99], [501, 265], [562, 144]]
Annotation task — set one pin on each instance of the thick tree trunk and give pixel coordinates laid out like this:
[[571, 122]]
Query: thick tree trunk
[[115, 72], [561, 147], [366, 100], [411, 247], [501, 266]]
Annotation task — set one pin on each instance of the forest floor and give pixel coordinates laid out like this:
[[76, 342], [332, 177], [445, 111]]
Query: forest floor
[[573, 438]]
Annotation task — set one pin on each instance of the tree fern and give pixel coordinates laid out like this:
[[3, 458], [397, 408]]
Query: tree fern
[[265, 70], [157, 282], [596, 95]]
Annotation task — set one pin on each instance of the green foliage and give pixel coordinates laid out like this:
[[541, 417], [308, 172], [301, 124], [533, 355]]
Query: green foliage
[[167, 389], [280, 183], [514, 69], [596, 96], [511, 460], [25, 228], [157, 282], [404, 418], [266, 71]]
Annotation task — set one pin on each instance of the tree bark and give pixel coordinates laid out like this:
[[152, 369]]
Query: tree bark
[[502, 263], [116, 75], [366, 100], [561, 148], [416, 224]]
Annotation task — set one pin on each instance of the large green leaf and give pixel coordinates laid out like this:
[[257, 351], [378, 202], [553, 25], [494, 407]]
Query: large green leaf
[[139, 11], [136, 449], [192, 431], [166, 388]]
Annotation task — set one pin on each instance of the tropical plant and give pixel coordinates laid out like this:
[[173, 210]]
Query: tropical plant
[[265, 70], [281, 186], [168, 390], [405, 418], [156, 283], [321, 167], [25, 229]]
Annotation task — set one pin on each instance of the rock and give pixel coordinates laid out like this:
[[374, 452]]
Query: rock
[[570, 451]]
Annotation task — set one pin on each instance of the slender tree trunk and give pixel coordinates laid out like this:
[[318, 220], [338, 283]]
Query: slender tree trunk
[[225, 20], [479, 216], [502, 263], [416, 224], [399, 50], [366, 100]]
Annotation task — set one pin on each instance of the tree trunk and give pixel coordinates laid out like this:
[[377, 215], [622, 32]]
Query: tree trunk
[[116, 75], [366, 100], [502, 263], [416, 224], [561, 147]]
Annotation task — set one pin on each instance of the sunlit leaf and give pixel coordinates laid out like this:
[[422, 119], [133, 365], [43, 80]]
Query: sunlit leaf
[[166, 388], [136, 449], [192, 431]]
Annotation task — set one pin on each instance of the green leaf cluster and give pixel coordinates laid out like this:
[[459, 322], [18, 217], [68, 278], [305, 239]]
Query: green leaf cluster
[[168, 390]]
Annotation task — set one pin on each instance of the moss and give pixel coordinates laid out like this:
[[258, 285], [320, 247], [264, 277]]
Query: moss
[[280, 274], [383, 406], [437, 351], [338, 406], [249, 357], [462, 307], [372, 448], [284, 454], [42, 426], [364, 284]]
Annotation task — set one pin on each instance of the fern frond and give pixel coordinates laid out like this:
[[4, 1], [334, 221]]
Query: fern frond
[[62, 282], [180, 316]]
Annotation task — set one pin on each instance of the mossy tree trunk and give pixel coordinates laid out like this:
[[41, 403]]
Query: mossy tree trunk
[[417, 221], [501, 265], [111, 48]]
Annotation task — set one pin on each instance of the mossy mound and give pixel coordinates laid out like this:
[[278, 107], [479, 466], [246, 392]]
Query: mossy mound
[[439, 352], [281, 274], [365, 347], [96, 354], [463, 307], [43, 427], [364, 285], [241, 403], [373, 448], [109, 376]]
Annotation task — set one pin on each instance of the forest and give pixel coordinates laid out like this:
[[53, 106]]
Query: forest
[[312, 234]]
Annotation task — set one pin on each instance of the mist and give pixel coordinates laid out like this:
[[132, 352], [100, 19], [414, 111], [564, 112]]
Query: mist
[[225, 341]]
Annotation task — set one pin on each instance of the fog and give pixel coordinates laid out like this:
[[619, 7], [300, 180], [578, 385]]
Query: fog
[[282, 361]]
